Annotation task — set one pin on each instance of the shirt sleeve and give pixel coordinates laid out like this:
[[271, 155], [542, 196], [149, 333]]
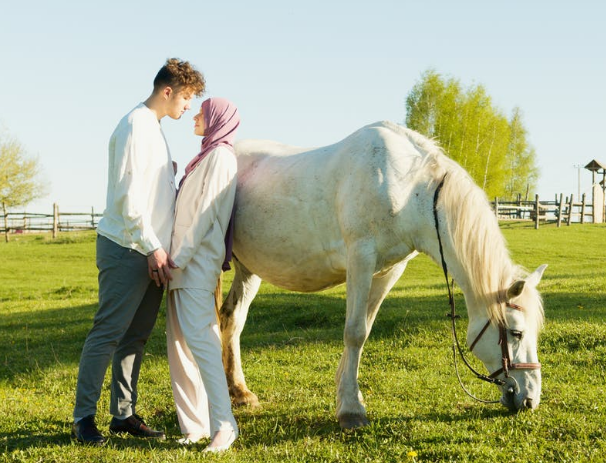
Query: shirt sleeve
[[218, 195], [132, 188]]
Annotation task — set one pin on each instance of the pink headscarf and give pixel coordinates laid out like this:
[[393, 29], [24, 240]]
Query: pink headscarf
[[221, 118]]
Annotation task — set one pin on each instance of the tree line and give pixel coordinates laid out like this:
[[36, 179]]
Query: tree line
[[493, 148]]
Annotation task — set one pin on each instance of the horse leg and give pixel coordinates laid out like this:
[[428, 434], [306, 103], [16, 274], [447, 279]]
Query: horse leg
[[233, 316], [361, 314]]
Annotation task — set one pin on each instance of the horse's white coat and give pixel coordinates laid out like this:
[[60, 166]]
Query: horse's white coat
[[356, 212]]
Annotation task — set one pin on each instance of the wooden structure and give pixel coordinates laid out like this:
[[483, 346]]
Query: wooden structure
[[560, 210], [25, 222], [598, 190]]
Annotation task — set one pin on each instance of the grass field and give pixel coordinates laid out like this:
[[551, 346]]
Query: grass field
[[291, 346]]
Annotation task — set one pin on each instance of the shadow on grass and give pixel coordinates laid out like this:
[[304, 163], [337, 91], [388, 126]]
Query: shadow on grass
[[270, 428], [275, 318], [48, 337], [23, 440], [258, 426], [51, 337]]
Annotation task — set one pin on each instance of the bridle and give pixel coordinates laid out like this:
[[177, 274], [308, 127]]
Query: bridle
[[507, 365]]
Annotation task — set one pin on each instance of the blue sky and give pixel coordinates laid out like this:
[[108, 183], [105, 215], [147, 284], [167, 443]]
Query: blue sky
[[303, 73]]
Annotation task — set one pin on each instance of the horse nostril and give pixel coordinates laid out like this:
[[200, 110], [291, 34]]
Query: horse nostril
[[527, 403]]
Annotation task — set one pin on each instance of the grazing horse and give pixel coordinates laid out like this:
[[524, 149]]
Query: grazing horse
[[356, 212]]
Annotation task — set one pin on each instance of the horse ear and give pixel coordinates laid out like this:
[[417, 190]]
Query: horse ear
[[515, 289], [535, 277]]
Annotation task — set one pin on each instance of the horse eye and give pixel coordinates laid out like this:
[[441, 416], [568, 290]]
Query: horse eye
[[517, 334]]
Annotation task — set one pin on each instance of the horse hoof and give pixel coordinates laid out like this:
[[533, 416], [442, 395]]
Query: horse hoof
[[352, 421], [246, 399]]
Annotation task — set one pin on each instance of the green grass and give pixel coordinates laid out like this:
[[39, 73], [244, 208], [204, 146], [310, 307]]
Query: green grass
[[291, 347]]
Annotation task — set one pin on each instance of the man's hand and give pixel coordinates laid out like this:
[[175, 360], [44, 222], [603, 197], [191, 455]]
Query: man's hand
[[159, 264]]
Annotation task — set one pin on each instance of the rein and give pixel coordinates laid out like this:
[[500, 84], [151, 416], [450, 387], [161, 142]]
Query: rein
[[507, 364]]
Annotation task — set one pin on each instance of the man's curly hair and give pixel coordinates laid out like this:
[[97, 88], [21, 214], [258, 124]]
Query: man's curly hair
[[181, 76]]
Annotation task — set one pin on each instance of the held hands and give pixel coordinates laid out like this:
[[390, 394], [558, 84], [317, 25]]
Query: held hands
[[159, 264]]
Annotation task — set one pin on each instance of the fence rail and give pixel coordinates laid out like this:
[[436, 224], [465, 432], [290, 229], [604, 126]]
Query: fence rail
[[561, 209], [25, 222]]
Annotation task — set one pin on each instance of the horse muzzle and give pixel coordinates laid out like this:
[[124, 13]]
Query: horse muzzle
[[515, 399]]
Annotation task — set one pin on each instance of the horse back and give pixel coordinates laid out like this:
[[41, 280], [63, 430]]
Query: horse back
[[300, 208]]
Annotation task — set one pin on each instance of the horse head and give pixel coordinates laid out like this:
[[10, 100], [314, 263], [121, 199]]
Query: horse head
[[506, 342]]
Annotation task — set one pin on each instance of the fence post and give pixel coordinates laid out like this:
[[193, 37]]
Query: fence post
[[583, 209], [519, 211], [538, 212], [570, 209], [5, 216], [55, 219], [496, 207], [561, 211], [92, 216]]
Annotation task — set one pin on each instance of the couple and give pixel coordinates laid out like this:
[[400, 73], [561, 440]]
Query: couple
[[148, 241]]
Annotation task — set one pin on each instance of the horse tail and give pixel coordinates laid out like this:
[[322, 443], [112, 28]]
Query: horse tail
[[219, 298]]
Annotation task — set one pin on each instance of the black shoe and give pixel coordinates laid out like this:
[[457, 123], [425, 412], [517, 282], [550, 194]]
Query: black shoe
[[134, 426], [86, 432]]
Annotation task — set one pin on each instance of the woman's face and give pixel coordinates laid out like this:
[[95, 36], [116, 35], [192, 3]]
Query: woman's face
[[200, 124]]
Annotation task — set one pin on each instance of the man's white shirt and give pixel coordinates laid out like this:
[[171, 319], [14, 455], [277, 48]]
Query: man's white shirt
[[141, 185]]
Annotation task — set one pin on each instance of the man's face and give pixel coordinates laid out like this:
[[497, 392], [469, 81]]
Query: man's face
[[177, 103]]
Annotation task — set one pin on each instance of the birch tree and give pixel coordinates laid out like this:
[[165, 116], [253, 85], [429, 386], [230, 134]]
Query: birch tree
[[522, 172], [472, 131]]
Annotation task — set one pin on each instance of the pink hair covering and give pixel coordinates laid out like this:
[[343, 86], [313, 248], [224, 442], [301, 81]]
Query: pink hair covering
[[221, 118]]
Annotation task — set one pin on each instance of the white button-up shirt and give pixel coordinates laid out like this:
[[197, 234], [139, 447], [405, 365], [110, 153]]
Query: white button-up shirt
[[141, 185]]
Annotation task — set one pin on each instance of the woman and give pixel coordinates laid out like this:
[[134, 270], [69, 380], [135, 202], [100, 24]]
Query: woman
[[202, 218]]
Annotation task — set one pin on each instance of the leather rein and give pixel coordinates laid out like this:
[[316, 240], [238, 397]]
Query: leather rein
[[507, 364]]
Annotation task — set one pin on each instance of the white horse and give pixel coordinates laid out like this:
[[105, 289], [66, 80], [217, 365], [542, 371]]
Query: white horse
[[356, 212]]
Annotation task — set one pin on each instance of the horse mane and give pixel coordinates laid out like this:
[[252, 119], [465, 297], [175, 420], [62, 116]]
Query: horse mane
[[475, 234]]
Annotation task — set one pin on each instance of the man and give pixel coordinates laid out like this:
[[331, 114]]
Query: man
[[133, 264]]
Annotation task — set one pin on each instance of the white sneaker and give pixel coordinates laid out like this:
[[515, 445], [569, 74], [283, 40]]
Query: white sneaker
[[190, 439], [216, 447]]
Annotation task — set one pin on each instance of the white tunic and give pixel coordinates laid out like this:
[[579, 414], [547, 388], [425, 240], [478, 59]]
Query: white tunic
[[141, 184], [202, 214]]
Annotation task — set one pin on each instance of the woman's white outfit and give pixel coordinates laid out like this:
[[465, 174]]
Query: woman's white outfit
[[202, 214]]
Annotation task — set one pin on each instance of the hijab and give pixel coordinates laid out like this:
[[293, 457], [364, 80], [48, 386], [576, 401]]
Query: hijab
[[221, 119]]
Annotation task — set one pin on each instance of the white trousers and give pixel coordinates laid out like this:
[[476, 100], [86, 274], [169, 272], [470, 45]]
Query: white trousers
[[196, 368]]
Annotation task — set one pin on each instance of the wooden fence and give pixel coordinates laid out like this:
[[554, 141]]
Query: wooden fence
[[560, 210], [22, 222]]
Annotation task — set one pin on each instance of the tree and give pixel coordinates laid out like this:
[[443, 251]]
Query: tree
[[484, 141], [19, 177], [472, 131], [432, 106], [522, 173]]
